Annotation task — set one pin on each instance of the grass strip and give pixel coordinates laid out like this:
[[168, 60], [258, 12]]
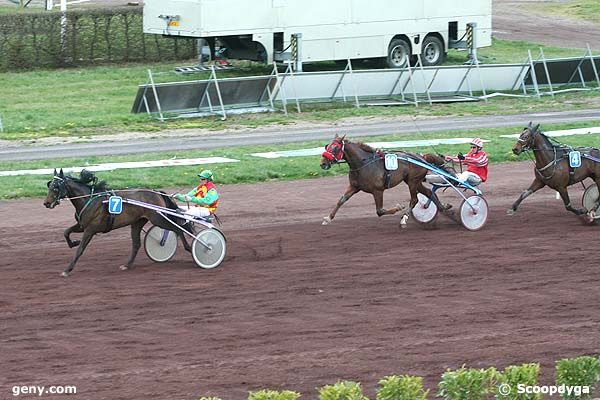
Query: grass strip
[[253, 169]]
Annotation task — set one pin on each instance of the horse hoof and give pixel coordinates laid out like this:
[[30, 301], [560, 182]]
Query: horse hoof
[[326, 221], [590, 217], [74, 243], [64, 274], [447, 206], [403, 221], [123, 267], [510, 211]]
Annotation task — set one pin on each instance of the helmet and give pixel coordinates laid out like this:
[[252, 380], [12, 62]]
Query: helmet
[[477, 142], [206, 174]]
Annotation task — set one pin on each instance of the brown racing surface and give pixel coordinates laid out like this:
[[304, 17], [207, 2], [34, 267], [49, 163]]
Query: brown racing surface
[[297, 305]]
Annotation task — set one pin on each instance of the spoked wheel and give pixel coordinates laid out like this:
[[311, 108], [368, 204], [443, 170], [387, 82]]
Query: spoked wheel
[[209, 248], [590, 197], [474, 213], [425, 210], [160, 244]]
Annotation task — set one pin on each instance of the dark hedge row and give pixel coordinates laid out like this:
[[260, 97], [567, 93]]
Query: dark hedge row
[[33, 40]]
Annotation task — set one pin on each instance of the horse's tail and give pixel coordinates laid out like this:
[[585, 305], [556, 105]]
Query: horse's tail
[[170, 203], [435, 159], [439, 161]]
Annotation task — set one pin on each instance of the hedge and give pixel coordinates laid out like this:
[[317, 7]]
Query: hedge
[[34, 40]]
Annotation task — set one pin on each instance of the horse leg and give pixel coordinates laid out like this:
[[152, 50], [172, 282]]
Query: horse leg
[[181, 235], [378, 196], [534, 187], [564, 194], [136, 242], [85, 240], [75, 228], [351, 191], [429, 193]]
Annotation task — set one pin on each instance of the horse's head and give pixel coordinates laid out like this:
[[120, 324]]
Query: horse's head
[[526, 139], [57, 190], [334, 152]]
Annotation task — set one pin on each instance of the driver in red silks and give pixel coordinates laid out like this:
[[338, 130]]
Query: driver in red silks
[[477, 163]]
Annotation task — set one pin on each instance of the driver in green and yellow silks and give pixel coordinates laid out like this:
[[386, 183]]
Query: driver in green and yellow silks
[[204, 197]]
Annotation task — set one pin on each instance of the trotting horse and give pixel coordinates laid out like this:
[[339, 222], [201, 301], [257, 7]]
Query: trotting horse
[[552, 167], [92, 216], [368, 173]]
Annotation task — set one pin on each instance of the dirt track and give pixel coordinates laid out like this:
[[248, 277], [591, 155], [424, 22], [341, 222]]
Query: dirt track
[[517, 20], [298, 305]]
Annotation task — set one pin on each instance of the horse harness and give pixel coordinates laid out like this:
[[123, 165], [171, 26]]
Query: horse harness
[[62, 193], [375, 157], [552, 163], [110, 221]]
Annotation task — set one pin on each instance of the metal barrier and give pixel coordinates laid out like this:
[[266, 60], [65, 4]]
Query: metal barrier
[[205, 97], [561, 72], [411, 85]]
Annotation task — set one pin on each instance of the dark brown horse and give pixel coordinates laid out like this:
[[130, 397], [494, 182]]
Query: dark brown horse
[[92, 215], [552, 167], [368, 174]]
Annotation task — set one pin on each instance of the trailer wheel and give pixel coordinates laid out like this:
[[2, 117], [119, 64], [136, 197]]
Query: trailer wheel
[[432, 51], [398, 54]]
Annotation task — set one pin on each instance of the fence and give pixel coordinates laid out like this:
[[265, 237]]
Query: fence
[[412, 85]]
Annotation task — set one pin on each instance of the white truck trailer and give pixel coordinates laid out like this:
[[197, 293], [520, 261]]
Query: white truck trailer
[[321, 30]]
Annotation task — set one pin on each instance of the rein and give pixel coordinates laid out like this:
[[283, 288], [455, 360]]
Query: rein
[[366, 161], [550, 164], [112, 192], [526, 148]]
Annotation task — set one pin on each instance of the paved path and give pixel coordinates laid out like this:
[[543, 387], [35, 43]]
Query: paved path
[[280, 134]]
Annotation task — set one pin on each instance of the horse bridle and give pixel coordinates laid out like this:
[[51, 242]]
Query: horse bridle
[[60, 189], [528, 147], [525, 146], [334, 151]]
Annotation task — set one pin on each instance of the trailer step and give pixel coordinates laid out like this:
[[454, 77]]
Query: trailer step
[[201, 68]]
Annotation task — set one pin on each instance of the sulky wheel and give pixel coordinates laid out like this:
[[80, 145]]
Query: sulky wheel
[[590, 197], [160, 244], [425, 210], [209, 248], [474, 213]]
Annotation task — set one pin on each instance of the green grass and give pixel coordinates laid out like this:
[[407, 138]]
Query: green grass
[[83, 102], [580, 9], [512, 52], [252, 169], [16, 9]]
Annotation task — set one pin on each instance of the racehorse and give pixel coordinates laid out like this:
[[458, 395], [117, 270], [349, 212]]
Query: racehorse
[[91, 212], [368, 173], [552, 167]]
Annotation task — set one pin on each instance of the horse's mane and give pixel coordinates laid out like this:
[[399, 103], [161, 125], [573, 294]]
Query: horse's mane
[[565, 148], [89, 179], [365, 147]]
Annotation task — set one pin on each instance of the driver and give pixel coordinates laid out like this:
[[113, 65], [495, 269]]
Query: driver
[[477, 163], [204, 196]]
